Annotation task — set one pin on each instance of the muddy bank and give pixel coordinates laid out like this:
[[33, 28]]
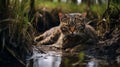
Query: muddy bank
[[52, 57]]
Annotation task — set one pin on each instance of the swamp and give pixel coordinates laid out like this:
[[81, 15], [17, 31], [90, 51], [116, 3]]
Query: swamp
[[23, 22]]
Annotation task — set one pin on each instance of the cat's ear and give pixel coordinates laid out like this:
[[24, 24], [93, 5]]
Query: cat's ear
[[62, 15], [84, 14]]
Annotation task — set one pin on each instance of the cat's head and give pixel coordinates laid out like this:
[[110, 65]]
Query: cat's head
[[72, 24]]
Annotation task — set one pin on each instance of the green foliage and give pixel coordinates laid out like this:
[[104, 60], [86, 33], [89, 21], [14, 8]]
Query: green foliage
[[16, 35], [67, 63], [98, 9], [81, 56], [67, 7], [19, 27], [115, 2], [112, 14], [71, 7], [114, 7], [73, 63], [18, 14]]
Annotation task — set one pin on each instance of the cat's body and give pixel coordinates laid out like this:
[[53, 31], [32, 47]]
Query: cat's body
[[72, 31]]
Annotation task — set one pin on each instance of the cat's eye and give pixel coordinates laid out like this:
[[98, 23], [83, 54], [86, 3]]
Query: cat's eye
[[78, 20], [80, 27], [65, 20], [64, 28]]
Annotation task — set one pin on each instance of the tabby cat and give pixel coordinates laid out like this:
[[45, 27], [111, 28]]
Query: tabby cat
[[72, 31]]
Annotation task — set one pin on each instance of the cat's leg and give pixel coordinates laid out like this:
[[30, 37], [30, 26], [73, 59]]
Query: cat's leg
[[45, 41], [93, 38], [57, 45], [91, 41], [49, 40], [77, 48], [42, 36], [38, 38], [59, 42]]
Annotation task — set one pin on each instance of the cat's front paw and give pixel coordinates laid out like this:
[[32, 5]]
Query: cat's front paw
[[57, 46], [38, 38], [41, 43], [35, 39]]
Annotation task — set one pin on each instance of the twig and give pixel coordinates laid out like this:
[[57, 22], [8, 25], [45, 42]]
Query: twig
[[6, 20]]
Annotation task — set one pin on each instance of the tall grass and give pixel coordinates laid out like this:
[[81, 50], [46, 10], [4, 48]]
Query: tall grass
[[70, 7], [19, 28], [98, 9], [17, 39], [67, 7]]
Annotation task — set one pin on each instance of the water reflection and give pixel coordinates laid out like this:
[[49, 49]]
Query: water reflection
[[92, 63], [52, 59], [46, 60]]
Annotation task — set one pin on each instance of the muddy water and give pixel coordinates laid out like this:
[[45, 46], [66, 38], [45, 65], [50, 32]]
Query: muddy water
[[47, 60], [56, 59], [52, 59]]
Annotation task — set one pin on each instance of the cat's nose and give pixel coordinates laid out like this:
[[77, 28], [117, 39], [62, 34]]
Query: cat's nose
[[72, 29]]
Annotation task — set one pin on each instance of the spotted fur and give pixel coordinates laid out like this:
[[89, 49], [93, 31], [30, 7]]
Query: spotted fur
[[72, 31]]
